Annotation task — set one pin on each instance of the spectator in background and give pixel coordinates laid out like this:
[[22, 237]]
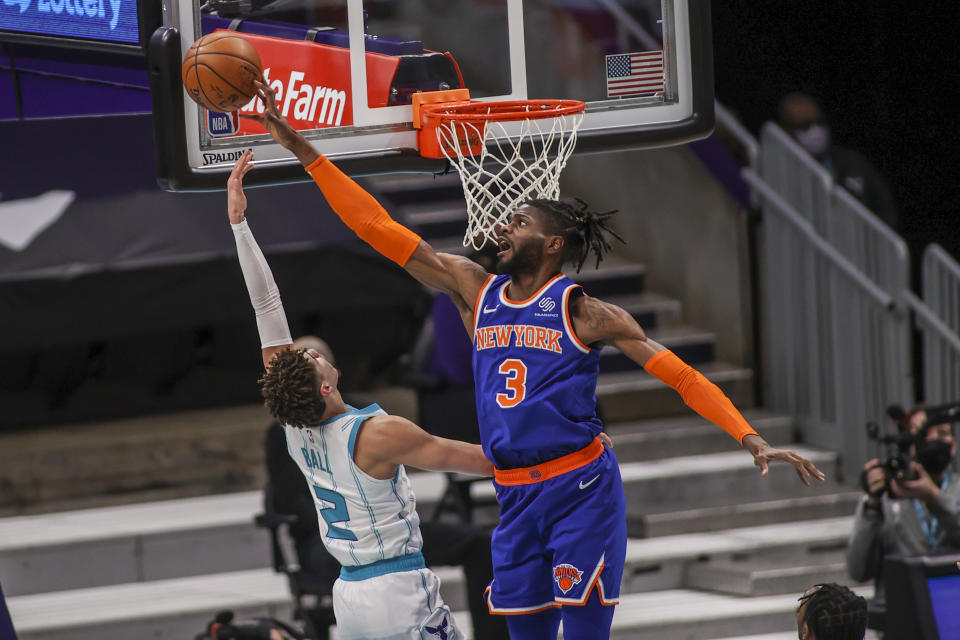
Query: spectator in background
[[911, 518], [831, 612], [801, 117], [444, 543]]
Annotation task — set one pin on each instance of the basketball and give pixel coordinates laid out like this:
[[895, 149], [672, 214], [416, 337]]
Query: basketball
[[219, 70]]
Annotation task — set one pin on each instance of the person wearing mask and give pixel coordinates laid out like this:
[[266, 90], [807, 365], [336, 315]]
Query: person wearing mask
[[919, 516], [801, 116]]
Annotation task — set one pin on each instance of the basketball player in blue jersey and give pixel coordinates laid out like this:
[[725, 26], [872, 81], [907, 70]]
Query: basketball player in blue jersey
[[559, 549], [352, 461]]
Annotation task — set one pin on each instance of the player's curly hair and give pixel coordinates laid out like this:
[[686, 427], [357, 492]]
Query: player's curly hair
[[289, 389], [834, 612], [583, 230]]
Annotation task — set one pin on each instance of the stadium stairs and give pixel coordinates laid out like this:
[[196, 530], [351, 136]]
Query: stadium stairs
[[165, 536]]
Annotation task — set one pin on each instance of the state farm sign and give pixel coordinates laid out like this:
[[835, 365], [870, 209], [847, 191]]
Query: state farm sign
[[312, 82]]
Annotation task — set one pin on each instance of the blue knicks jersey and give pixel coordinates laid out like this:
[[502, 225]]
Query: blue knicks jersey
[[535, 381]]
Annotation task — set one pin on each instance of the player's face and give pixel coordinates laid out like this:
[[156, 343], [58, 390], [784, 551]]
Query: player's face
[[327, 374], [521, 242]]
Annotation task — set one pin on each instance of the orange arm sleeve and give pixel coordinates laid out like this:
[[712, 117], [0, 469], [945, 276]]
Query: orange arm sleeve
[[700, 394], [362, 213]]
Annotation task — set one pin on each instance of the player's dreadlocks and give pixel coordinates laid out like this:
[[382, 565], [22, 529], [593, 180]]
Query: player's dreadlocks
[[583, 230], [834, 612], [289, 389]]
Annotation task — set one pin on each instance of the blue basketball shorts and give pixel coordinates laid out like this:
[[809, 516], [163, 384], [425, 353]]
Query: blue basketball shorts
[[559, 539]]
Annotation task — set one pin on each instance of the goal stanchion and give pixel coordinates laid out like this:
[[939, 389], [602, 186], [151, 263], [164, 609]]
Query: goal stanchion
[[505, 152]]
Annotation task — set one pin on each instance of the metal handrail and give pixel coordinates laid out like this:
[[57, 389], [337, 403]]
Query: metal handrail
[[931, 319], [944, 259], [797, 220], [736, 128]]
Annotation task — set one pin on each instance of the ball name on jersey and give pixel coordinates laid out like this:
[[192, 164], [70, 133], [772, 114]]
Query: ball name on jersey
[[313, 459]]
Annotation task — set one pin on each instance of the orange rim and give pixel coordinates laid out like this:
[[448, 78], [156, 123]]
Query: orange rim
[[505, 111]]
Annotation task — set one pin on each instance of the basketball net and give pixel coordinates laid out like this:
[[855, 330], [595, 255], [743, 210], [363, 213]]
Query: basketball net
[[514, 161]]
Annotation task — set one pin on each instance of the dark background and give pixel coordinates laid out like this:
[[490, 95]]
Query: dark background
[[886, 75]]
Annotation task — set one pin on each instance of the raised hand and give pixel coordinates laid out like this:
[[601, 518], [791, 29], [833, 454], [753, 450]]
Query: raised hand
[[236, 198], [278, 127], [764, 454]]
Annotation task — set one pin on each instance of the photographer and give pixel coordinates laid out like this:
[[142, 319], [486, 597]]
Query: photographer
[[917, 515]]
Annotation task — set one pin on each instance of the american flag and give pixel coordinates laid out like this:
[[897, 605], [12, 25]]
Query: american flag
[[634, 73]]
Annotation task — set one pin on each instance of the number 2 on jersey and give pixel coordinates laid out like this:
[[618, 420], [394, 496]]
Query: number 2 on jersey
[[516, 380], [337, 513]]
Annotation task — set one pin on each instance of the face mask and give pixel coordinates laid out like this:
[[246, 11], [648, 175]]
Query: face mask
[[815, 139], [934, 456]]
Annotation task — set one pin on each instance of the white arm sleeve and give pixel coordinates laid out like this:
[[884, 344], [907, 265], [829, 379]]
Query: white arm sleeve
[[271, 320]]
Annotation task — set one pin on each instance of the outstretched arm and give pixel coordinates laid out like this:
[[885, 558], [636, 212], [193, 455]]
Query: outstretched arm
[[264, 295], [598, 321], [456, 276], [386, 441]]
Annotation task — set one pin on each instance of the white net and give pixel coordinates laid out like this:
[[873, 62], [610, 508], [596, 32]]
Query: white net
[[518, 160]]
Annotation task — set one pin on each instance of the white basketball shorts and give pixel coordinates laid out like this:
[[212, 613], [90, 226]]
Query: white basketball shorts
[[405, 605]]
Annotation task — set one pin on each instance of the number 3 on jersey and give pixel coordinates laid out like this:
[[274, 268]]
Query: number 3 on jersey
[[516, 373]]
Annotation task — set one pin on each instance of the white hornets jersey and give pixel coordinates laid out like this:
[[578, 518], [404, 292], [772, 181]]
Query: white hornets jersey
[[363, 520]]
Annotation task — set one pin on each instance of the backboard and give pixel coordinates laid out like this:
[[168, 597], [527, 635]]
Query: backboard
[[345, 71]]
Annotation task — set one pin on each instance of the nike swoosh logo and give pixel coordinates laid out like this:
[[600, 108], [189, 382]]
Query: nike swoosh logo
[[486, 310], [584, 485]]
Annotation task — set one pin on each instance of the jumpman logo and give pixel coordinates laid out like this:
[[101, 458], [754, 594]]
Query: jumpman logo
[[439, 630]]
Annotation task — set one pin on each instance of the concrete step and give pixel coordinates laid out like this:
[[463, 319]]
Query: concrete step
[[693, 346], [132, 543], [409, 190], [175, 454], [787, 635], [216, 533], [437, 220], [831, 505], [611, 279], [650, 309], [148, 541], [718, 479], [753, 575], [162, 609], [685, 614], [176, 607], [656, 564], [656, 438], [636, 395]]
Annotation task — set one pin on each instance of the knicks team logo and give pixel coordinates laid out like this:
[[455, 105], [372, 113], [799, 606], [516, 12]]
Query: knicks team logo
[[566, 576], [547, 304]]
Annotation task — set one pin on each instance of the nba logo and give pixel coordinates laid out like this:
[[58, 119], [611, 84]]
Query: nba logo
[[220, 125]]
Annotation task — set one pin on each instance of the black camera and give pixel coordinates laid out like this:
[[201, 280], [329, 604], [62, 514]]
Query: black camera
[[896, 464], [225, 627], [899, 446]]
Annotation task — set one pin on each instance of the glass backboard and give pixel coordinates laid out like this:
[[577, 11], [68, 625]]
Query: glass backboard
[[345, 72]]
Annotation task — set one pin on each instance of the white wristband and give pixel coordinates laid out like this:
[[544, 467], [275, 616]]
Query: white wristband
[[264, 294]]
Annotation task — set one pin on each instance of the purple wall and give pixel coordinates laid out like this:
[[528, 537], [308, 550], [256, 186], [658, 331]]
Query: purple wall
[[61, 83]]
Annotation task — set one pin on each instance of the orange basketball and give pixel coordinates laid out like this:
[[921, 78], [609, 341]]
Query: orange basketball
[[219, 70]]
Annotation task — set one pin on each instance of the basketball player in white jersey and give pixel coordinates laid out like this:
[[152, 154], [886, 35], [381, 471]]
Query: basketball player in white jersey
[[352, 460]]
